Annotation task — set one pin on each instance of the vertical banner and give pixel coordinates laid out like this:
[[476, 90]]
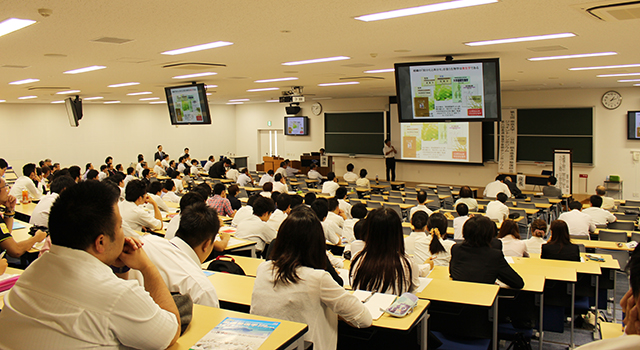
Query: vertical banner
[[508, 141], [324, 161], [563, 169]]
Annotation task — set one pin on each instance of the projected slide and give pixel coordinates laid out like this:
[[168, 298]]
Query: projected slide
[[296, 126], [435, 141], [448, 91], [186, 104]]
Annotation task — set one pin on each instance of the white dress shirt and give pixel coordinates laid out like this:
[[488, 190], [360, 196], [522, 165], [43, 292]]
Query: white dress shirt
[[347, 230], [159, 201], [579, 223], [534, 244], [419, 207], [171, 197], [281, 171], [346, 207], [25, 183], [180, 269], [172, 227], [242, 214], [68, 299], [514, 247], [256, 230], [136, 217], [316, 300], [179, 186], [607, 203], [363, 182], [458, 224], [330, 188], [276, 219], [386, 149], [471, 203], [165, 163], [181, 168], [356, 247], [243, 180], [493, 188], [350, 176], [337, 219], [139, 168], [418, 244], [159, 170], [599, 215], [127, 179], [102, 175], [313, 174], [280, 187], [194, 170], [207, 165], [265, 178], [232, 174], [291, 171], [332, 232], [496, 210], [40, 215]]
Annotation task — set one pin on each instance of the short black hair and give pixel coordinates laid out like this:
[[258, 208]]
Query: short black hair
[[3, 164], [419, 219], [267, 187], [278, 177], [321, 207], [333, 204], [211, 157], [233, 190], [74, 171], [462, 209], [119, 167], [159, 146], [363, 173], [358, 230], [154, 187], [575, 205], [283, 163], [219, 188], [309, 198], [227, 161], [190, 199], [359, 211], [283, 202], [61, 183], [103, 166], [108, 159], [204, 189], [341, 192], [140, 158], [296, 201], [82, 213], [465, 192], [244, 171], [552, 180], [313, 166], [130, 170], [253, 199], [28, 168], [169, 185], [134, 190], [145, 172], [331, 175], [263, 205], [92, 174], [198, 223], [421, 196], [194, 161], [350, 167], [502, 197], [87, 166], [478, 231], [116, 178], [270, 172], [596, 201]]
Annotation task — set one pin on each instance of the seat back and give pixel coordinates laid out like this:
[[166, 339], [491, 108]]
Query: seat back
[[444, 190], [406, 230], [635, 236], [394, 199], [395, 207], [243, 193], [529, 205], [374, 204], [621, 225], [621, 255], [612, 236], [412, 201], [377, 197], [544, 200], [626, 217], [631, 203]]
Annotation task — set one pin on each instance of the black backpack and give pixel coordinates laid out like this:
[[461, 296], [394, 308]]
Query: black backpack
[[226, 266], [520, 342]]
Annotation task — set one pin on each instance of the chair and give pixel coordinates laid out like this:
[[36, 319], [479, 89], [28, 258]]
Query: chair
[[352, 195], [612, 236], [444, 190], [243, 193], [302, 184], [526, 205], [435, 204], [454, 343], [628, 210], [621, 255], [544, 200], [395, 207], [430, 191], [377, 197], [412, 201], [635, 236], [621, 225], [395, 193], [374, 204], [483, 201], [406, 230], [631, 203], [394, 199], [626, 217]]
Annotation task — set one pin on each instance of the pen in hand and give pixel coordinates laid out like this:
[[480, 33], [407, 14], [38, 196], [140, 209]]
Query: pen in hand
[[369, 297]]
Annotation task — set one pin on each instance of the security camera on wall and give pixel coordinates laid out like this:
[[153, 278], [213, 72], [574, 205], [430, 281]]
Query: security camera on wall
[[292, 109]]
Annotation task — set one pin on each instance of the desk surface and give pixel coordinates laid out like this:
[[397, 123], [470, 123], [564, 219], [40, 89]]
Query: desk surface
[[11, 271], [26, 209], [532, 282], [601, 244], [608, 263], [23, 234], [249, 265], [205, 318], [555, 274], [460, 292], [588, 267]]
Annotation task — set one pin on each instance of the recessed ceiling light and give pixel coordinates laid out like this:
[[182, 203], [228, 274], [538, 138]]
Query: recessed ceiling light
[[450, 5], [27, 97], [57, 102], [628, 80], [317, 60], [617, 75], [13, 24], [343, 83], [139, 93], [124, 84], [263, 89], [235, 103], [607, 67], [92, 98], [521, 39], [210, 86], [194, 75], [84, 70], [274, 80], [272, 101], [582, 55], [110, 102], [239, 100], [24, 81], [386, 70], [157, 102], [67, 92], [198, 48], [149, 98]]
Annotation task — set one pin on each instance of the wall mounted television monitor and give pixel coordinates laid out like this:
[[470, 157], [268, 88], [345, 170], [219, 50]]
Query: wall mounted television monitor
[[454, 91], [74, 110], [188, 104], [296, 126], [633, 125]]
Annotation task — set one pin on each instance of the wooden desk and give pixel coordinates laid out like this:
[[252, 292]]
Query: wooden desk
[[610, 330], [26, 209], [460, 292], [589, 267], [597, 231], [529, 211], [249, 265], [10, 271], [532, 282], [206, 318], [23, 234], [601, 244]]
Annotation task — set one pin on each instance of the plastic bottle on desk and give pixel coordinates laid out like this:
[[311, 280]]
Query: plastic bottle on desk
[[376, 179], [25, 197]]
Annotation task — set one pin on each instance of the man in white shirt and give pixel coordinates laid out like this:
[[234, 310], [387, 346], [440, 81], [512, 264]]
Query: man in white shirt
[[40, 215], [283, 207], [336, 214], [154, 191], [390, 160], [181, 164], [27, 182], [244, 178], [607, 202], [422, 199], [245, 212], [331, 185], [341, 193], [139, 166], [279, 184], [159, 169], [497, 210], [350, 176], [194, 167], [129, 177], [463, 215], [598, 215], [168, 192], [268, 177], [135, 216], [359, 211], [49, 307], [493, 188], [232, 173], [185, 154], [332, 232], [179, 260], [313, 174], [579, 223], [255, 228], [281, 169], [104, 172], [209, 163], [290, 170], [165, 162]]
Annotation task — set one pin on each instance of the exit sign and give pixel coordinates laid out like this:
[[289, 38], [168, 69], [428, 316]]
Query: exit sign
[[584, 176]]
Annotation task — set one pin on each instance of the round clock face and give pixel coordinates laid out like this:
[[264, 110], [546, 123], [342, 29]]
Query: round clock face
[[316, 108], [611, 99]]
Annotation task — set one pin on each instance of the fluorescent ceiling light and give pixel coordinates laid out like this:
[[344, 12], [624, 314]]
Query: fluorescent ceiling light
[[208, 94], [24, 81], [628, 80], [139, 93], [633, 85], [317, 60], [235, 103], [93, 98], [343, 83], [57, 102], [157, 102], [450, 5], [582, 55], [201, 47], [607, 67], [210, 86], [617, 75], [27, 97], [239, 100], [6, 101], [13, 24], [386, 70], [110, 102], [263, 89], [194, 75], [274, 80], [67, 92], [272, 101], [521, 39], [149, 98], [84, 70], [124, 84]]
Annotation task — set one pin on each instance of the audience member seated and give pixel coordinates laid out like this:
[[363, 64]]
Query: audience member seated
[[363, 182], [559, 246], [130, 175], [219, 201], [420, 244], [267, 188], [159, 169], [279, 184], [358, 211], [294, 286], [209, 163], [70, 297], [169, 192], [550, 190], [232, 192], [194, 171], [515, 191], [309, 198], [87, 167], [244, 178], [336, 214], [268, 177], [179, 259], [358, 244], [350, 176], [40, 215], [188, 199], [510, 237], [579, 223], [245, 212], [133, 214], [422, 199], [466, 197], [607, 202], [497, 210], [29, 182], [291, 171], [281, 170], [283, 207], [332, 231], [383, 264], [255, 228], [232, 173], [341, 194], [104, 172], [93, 175], [154, 190], [458, 223], [182, 166], [313, 174], [598, 215], [218, 169], [331, 185], [493, 188], [538, 231]]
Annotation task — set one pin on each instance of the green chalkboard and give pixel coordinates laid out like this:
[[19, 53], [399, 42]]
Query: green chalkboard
[[354, 133]]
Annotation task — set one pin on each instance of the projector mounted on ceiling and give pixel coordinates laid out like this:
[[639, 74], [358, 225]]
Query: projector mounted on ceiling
[[294, 95]]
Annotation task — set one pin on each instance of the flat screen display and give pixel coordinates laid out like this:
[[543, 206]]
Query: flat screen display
[[296, 126], [633, 125], [188, 104], [453, 91]]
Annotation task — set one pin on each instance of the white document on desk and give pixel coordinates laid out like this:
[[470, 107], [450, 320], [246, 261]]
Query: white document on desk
[[377, 303], [424, 282], [509, 259], [234, 241]]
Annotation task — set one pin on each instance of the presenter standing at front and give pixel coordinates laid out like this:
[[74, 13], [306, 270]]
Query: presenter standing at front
[[389, 154]]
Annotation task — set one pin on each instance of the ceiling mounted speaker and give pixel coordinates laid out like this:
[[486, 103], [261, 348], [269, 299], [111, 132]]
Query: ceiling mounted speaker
[[291, 110]]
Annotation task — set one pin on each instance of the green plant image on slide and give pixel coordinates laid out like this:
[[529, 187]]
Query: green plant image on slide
[[429, 132], [442, 92]]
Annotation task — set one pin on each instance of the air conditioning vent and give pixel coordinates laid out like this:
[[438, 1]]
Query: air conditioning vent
[[111, 40], [616, 12]]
